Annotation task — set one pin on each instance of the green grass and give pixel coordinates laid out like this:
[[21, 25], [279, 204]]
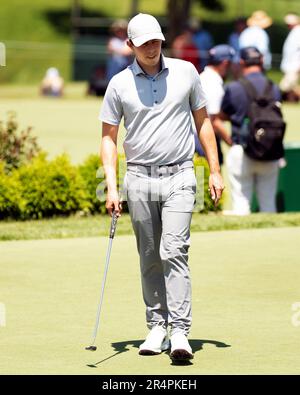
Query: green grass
[[98, 225], [67, 125], [40, 36], [244, 285], [71, 124], [73, 91], [61, 125]]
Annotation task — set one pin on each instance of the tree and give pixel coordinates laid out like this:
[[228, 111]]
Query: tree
[[178, 12], [134, 7]]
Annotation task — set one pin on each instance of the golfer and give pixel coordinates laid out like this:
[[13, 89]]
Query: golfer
[[157, 96]]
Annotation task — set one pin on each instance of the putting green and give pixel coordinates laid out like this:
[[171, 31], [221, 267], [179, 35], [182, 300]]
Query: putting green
[[244, 285]]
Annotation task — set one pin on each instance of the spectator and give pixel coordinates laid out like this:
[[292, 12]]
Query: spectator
[[233, 40], [245, 174], [212, 79], [255, 36], [290, 64], [202, 39], [119, 54], [52, 84], [97, 82], [184, 48]]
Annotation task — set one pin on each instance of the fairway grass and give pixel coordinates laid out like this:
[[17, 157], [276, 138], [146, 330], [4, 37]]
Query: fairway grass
[[71, 124], [244, 285], [68, 124], [98, 225]]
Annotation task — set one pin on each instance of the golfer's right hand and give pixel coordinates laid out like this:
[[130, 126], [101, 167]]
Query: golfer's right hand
[[216, 186], [113, 203]]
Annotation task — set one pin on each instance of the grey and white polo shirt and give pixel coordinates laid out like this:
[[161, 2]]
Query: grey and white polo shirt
[[156, 110]]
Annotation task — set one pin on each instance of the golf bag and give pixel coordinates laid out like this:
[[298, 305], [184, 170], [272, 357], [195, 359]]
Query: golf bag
[[266, 127]]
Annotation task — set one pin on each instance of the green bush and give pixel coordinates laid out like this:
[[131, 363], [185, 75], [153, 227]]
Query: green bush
[[93, 176], [51, 188], [204, 203], [10, 195], [16, 147], [44, 188]]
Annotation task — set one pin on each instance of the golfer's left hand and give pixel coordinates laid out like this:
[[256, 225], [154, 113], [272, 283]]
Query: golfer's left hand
[[216, 187]]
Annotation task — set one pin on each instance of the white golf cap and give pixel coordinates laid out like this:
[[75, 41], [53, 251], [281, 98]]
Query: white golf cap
[[143, 28]]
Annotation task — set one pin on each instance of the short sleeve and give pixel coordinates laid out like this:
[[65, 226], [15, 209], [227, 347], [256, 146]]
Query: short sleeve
[[214, 99], [111, 110], [197, 96]]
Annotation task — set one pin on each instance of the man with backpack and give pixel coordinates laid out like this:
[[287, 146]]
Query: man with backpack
[[252, 104], [212, 81]]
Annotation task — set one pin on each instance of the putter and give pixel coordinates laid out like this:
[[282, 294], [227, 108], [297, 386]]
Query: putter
[[113, 225]]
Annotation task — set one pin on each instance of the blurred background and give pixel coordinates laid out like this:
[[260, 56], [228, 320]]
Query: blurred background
[[72, 34], [68, 40]]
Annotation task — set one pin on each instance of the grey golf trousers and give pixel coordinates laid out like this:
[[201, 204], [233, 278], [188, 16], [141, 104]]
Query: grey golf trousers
[[161, 201]]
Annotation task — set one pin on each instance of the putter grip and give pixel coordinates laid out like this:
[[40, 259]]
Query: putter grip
[[113, 225]]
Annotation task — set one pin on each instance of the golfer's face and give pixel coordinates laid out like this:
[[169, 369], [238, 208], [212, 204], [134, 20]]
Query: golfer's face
[[148, 54]]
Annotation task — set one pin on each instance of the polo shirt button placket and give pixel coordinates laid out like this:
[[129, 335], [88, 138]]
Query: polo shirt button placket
[[154, 92]]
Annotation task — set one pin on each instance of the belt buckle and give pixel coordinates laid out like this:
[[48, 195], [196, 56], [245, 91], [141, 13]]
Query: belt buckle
[[163, 169], [175, 168]]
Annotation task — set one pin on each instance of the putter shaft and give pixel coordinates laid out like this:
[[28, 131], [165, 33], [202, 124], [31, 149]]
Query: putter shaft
[[92, 347], [102, 292]]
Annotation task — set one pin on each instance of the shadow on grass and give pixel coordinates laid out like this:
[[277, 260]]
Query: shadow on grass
[[196, 344]]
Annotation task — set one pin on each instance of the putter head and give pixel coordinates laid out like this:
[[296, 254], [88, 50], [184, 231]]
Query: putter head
[[91, 348]]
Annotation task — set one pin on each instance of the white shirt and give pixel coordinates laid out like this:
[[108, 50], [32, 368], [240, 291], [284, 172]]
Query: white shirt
[[255, 36], [156, 110], [212, 84], [291, 51]]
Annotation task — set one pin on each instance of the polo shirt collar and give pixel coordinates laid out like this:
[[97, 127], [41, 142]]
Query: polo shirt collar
[[138, 70]]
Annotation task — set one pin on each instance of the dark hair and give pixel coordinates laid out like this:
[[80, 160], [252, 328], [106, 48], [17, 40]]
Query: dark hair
[[253, 62], [251, 56]]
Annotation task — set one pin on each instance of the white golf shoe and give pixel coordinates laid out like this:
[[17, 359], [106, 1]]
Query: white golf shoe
[[156, 341], [180, 348]]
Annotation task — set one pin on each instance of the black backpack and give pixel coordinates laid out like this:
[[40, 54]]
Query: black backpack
[[266, 127]]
